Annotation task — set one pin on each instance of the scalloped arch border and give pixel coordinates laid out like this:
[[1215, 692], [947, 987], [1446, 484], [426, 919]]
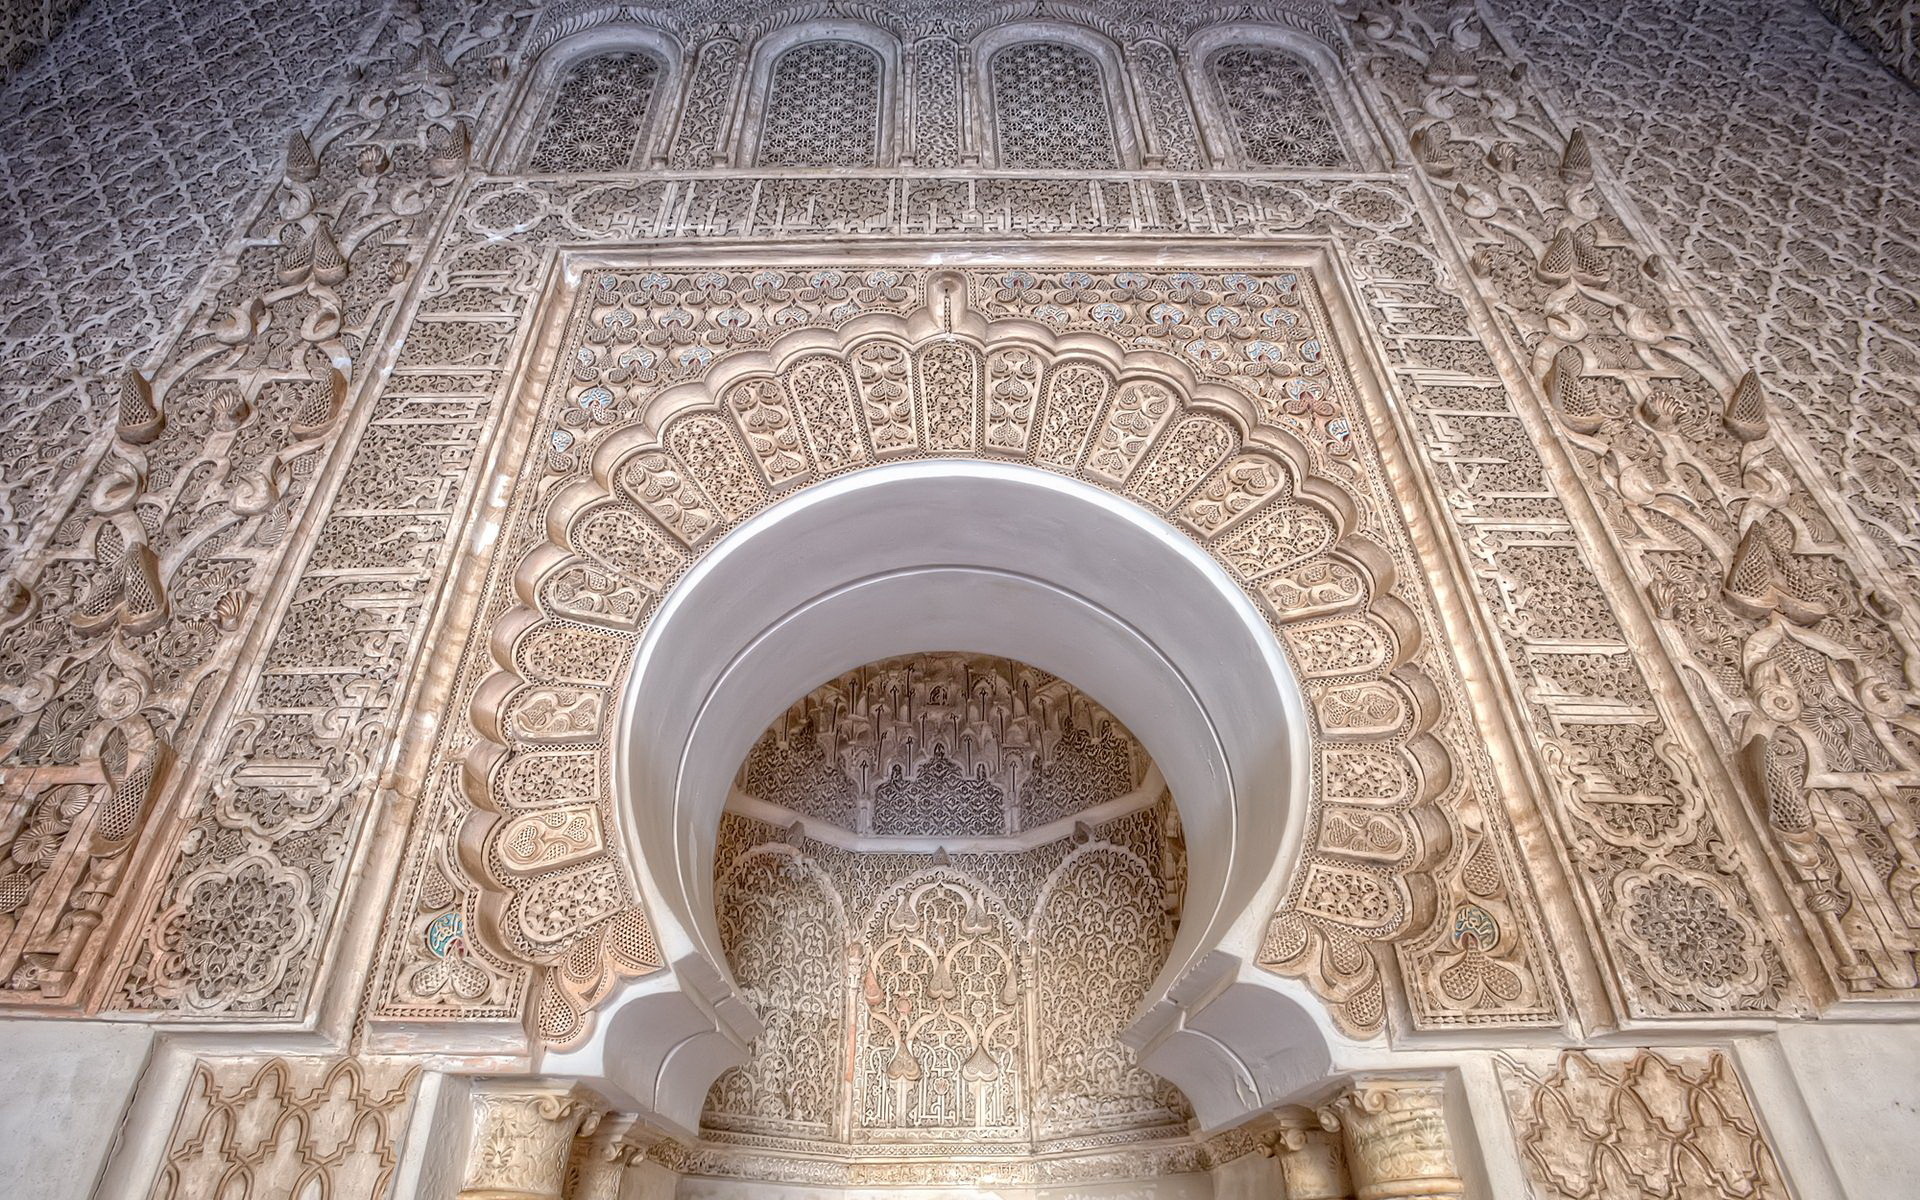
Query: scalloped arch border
[[1381, 705]]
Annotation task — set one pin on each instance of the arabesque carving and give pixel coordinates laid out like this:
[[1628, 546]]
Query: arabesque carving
[[1778, 622], [926, 1003], [1268, 474], [944, 745]]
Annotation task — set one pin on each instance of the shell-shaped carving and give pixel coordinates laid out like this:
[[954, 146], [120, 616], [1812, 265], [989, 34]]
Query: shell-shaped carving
[[1181, 459], [556, 715], [823, 396], [1365, 775], [1234, 490], [562, 653], [1338, 648], [714, 458], [1353, 896], [539, 778], [1140, 410], [1358, 710], [620, 537]]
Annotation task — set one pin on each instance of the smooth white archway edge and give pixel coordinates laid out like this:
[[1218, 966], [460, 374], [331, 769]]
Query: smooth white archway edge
[[985, 558]]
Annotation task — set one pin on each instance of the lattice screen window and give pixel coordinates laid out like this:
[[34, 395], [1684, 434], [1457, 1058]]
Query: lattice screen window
[[598, 116], [1050, 109], [823, 108], [1278, 114]]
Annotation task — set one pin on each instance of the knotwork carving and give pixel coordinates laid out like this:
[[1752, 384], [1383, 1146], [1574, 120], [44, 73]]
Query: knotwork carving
[[254, 1129], [1638, 1123]]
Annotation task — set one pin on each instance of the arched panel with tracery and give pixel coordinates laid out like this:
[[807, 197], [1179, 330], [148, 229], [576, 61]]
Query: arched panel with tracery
[[784, 936], [824, 107], [1278, 114], [599, 115], [1100, 933], [966, 1000], [939, 1040], [1051, 108]]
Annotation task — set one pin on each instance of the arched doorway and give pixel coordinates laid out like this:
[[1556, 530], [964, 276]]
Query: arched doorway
[[997, 485], [1002, 560]]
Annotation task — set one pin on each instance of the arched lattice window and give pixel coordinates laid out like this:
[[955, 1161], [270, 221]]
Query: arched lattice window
[[823, 107], [1050, 109], [1278, 114], [599, 115]]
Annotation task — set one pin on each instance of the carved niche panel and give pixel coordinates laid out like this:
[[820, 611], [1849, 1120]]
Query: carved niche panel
[[1273, 472], [927, 1004], [136, 618], [1050, 108], [1274, 103], [1637, 1125], [943, 745]]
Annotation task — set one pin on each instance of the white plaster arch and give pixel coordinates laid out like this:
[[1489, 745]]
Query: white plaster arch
[[1121, 109], [535, 95], [940, 554], [766, 53], [1357, 133]]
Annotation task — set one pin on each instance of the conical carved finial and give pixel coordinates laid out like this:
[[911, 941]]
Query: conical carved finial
[[1429, 150], [1446, 67], [329, 264], [1574, 254], [430, 66], [1576, 162], [143, 599], [1746, 415], [140, 419], [1776, 772], [1752, 584], [448, 149], [134, 786], [125, 590], [1557, 261], [321, 407], [1574, 395], [303, 165]]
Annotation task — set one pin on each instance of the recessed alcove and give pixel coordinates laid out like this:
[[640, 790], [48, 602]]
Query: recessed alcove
[[944, 883]]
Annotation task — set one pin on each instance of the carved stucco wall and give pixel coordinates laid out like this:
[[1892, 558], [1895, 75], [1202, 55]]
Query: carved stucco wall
[[26, 26], [636, 466], [131, 146], [214, 625], [1774, 161], [1887, 29]]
